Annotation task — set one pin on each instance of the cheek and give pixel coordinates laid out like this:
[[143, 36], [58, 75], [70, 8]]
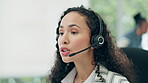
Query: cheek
[[59, 41], [81, 42]]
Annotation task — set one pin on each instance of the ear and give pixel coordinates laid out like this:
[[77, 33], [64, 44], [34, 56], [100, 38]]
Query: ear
[[92, 48]]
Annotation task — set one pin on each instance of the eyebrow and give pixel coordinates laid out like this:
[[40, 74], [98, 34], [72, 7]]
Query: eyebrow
[[71, 25]]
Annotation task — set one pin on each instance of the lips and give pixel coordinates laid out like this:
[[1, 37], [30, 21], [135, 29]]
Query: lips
[[64, 51]]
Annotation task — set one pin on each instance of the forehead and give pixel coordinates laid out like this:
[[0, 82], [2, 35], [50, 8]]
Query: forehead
[[74, 17]]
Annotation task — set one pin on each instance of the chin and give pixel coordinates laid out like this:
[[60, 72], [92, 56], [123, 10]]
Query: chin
[[66, 60]]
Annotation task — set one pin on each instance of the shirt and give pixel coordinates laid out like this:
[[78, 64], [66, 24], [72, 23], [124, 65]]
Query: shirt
[[70, 77], [109, 76], [131, 39]]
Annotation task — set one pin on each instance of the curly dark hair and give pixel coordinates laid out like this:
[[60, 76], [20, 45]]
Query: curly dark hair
[[109, 55]]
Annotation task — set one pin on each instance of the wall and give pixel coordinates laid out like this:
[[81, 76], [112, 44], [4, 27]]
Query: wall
[[27, 35]]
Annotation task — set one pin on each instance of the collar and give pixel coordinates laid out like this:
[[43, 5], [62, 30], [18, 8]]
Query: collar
[[71, 75]]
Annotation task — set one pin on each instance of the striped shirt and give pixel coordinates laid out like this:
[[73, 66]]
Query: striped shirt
[[109, 76]]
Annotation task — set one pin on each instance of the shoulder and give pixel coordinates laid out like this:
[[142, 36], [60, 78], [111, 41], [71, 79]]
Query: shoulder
[[110, 77], [114, 77]]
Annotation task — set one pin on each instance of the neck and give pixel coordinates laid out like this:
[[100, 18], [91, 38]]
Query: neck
[[84, 69]]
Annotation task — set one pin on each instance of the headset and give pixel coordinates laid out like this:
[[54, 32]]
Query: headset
[[96, 41]]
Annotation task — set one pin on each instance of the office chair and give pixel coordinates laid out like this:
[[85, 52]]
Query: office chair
[[139, 58]]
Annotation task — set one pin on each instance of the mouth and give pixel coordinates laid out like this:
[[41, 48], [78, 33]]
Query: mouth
[[64, 51]]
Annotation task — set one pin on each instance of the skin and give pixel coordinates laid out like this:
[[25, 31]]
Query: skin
[[75, 36], [142, 29]]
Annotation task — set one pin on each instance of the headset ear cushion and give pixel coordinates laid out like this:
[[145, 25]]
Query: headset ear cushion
[[97, 41]]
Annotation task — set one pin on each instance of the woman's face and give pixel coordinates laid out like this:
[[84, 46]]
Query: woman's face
[[74, 36]]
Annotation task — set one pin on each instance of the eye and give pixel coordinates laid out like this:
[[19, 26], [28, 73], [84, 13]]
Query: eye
[[61, 33], [74, 32]]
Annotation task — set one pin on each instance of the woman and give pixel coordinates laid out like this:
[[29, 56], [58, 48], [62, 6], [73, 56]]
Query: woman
[[133, 38], [102, 62]]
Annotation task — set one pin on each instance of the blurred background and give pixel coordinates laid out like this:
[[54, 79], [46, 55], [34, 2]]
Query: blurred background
[[27, 32]]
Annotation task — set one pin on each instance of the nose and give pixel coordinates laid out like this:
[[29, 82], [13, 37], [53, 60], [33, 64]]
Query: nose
[[65, 39], [65, 42]]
